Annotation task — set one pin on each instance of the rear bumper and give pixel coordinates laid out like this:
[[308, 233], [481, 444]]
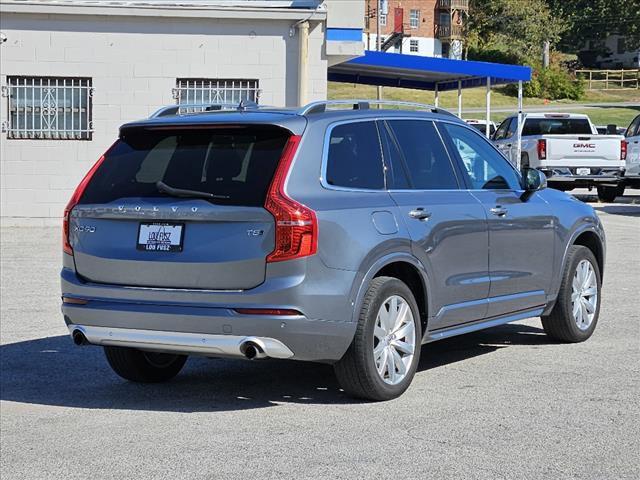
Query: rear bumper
[[601, 176], [207, 331], [175, 342]]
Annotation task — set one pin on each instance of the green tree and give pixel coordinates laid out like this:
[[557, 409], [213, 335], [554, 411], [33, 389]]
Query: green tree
[[511, 30], [595, 20]]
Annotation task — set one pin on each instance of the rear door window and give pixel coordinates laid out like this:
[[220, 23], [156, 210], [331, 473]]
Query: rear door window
[[422, 156], [354, 157], [235, 164]]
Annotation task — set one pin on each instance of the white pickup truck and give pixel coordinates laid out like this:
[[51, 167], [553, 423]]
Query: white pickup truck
[[568, 149]]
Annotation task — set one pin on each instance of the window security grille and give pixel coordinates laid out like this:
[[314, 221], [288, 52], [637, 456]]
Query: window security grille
[[413, 46], [49, 108], [212, 91]]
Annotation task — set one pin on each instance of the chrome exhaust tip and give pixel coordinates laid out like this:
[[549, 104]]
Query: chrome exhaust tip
[[79, 338], [252, 350]]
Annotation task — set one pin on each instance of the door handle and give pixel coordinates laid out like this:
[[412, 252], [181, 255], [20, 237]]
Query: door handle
[[508, 145], [420, 214], [499, 211]]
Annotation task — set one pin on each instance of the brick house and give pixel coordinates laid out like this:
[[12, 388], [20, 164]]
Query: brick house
[[432, 28]]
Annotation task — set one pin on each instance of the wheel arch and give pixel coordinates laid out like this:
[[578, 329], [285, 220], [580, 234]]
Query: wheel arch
[[406, 268], [593, 242]]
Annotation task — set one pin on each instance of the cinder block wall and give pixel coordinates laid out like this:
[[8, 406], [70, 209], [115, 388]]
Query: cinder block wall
[[134, 63]]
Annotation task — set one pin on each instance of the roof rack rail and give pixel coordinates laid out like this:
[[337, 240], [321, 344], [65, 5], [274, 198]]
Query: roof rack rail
[[192, 108], [360, 104]]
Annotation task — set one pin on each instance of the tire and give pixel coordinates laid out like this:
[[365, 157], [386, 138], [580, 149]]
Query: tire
[[357, 371], [609, 194], [561, 324], [144, 367]]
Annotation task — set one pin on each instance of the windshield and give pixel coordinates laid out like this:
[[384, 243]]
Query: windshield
[[234, 164], [556, 126]]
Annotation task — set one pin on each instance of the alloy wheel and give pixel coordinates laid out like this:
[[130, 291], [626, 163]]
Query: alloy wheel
[[394, 340]]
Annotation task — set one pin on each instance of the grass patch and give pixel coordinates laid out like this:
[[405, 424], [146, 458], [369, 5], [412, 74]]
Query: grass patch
[[604, 116]]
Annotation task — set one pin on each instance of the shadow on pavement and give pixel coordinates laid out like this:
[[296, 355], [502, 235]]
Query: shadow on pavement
[[52, 371], [626, 210]]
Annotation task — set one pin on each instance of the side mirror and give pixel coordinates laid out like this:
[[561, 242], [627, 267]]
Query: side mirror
[[533, 180]]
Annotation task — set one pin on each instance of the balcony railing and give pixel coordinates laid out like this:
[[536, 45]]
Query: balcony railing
[[446, 31], [453, 4]]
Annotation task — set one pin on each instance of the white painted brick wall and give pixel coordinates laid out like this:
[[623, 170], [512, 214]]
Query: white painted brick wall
[[134, 63]]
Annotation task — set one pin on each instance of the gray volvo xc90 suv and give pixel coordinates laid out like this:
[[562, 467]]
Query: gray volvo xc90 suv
[[333, 233]]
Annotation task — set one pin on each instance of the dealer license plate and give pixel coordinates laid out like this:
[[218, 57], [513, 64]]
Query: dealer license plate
[[160, 237]]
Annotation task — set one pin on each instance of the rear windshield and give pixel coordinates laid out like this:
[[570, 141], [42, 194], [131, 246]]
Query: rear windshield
[[556, 126], [234, 163]]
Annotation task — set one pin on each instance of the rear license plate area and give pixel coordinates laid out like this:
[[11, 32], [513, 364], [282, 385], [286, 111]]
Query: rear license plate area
[[583, 171], [160, 237]]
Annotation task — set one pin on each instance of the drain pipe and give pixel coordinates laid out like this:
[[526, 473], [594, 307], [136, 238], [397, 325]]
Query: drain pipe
[[303, 61]]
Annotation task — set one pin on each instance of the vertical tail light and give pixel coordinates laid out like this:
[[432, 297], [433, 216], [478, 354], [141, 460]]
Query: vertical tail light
[[296, 224], [73, 201], [542, 149], [623, 150]]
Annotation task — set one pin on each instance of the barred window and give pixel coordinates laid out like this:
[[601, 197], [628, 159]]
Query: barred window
[[413, 46], [414, 18], [49, 108], [211, 91]]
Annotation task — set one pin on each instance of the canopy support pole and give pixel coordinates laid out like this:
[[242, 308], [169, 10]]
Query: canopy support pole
[[488, 102], [437, 97], [519, 134], [459, 98]]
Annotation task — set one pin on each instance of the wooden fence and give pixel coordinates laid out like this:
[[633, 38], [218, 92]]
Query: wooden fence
[[610, 79]]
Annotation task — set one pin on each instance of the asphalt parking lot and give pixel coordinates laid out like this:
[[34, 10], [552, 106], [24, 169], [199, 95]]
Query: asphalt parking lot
[[503, 403]]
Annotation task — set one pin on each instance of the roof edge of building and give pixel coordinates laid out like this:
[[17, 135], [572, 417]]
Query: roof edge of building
[[180, 9]]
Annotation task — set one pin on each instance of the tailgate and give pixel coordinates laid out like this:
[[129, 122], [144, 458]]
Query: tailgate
[[591, 151], [130, 229], [211, 249]]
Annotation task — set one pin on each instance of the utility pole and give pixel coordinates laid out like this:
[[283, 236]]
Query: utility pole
[[545, 54]]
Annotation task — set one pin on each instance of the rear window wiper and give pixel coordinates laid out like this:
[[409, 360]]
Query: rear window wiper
[[184, 193]]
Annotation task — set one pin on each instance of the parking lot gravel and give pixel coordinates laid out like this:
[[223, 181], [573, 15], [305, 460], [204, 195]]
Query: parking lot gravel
[[503, 403]]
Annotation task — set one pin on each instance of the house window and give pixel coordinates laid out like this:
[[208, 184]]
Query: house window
[[413, 46], [414, 18], [198, 91], [49, 108], [383, 19]]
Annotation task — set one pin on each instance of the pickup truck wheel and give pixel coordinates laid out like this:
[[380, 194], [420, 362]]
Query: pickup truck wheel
[[384, 354], [575, 314], [609, 194], [144, 367]]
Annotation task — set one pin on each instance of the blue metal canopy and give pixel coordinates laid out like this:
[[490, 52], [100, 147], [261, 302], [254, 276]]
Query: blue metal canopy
[[424, 73]]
